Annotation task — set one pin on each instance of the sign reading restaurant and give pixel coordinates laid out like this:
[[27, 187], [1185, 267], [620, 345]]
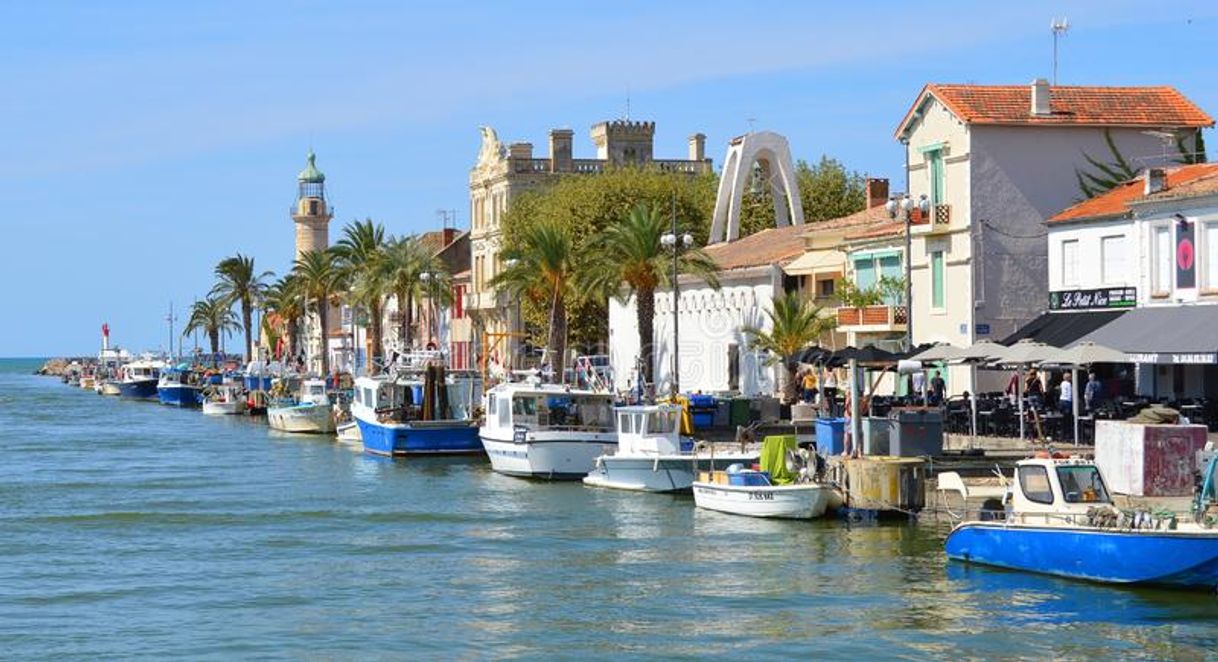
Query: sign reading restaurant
[[1105, 297], [1179, 359]]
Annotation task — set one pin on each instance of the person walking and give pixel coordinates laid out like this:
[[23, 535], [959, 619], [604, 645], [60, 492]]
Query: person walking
[[830, 389], [809, 385], [1092, 393], [1065, 404], [938, 389]]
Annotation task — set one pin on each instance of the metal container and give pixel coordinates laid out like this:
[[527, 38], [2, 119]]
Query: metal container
[[915, 432]]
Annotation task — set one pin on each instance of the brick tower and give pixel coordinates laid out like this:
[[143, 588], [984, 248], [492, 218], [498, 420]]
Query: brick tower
[[311, 213]]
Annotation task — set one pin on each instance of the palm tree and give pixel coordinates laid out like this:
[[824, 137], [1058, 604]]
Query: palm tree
[[629, 260], [240, 283], [794, 324], [401, 271], [320, 279], [214, 317], [283, 299], [541, 267], [360, 253]]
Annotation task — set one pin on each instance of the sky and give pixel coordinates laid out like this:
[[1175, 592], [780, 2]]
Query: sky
[[142, 142]]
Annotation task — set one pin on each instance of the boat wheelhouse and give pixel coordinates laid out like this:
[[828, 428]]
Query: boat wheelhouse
[[546, 431], [178, 387], [139, 379], [427, 414]]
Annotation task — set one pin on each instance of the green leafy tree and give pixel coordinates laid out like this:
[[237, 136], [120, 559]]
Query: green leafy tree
[[401, 270], [238, 282], [826, 190], [319, 278], [540, 268], [286, 307], [214, 317], [630, 260], [795, 323], [360, 252]]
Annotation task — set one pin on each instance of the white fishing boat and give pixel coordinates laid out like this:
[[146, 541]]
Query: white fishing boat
[[767, 493], [108, 387], [652, 456], [546, 431], [310, 413], [224, 399]]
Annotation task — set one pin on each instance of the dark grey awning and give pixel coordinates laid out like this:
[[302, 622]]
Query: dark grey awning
[[1063, 329], [1163, 334]]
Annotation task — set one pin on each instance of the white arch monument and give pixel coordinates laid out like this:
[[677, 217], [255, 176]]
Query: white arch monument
[[771, 152]]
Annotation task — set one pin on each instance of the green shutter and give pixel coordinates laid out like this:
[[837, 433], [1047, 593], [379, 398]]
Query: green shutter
[[936, 280], [864, 273], [936, 176]]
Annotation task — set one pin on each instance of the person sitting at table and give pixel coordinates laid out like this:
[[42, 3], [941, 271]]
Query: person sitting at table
[[1065, 404], [1093, 392]]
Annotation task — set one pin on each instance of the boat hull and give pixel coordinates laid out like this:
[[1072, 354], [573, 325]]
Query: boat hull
[[179, 396], [802, 501], [308, 418], [420, 438], [548, 456], [661, 473], [1167, 558], [108, 388], [224, 408], [142, 389], [349, 432]]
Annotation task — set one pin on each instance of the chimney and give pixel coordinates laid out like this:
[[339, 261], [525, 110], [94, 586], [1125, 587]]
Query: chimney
[[560, 150], [1040, 98], [697, 147], [877, 192], [520, 151], [449, 235], [1156, 180]]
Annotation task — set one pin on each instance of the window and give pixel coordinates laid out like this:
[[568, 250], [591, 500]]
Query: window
[[1070, 263], [1034, 482], [1162, 257], [1209, 266], [934, 162], [871, 267], [312, 207], [937, 298], [1082, 484], [458, 302], [824, 287], [1112, 260]]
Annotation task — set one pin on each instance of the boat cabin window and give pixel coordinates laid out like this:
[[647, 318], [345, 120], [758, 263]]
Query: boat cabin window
[[524, 406], [316, 389], [1034, 481], [1082, 484], [625, 424], [368, 400], [661, 422], [490, 404]]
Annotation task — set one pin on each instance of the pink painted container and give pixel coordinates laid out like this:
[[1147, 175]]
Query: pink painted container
[[1148, 460]]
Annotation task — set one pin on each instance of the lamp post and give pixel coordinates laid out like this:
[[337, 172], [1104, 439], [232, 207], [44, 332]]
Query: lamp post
[[675, 242], [903, 209], [429, 279]]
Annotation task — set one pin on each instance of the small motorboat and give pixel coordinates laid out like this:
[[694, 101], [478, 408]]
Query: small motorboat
[[546, 431], [311, 412], [785, 486], [178, 387], [1057, 518], [652, 455], [224, 399]]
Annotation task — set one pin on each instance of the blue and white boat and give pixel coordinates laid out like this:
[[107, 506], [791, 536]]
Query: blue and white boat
[[177, 388], [1057, 518], [139, 379], [547, 431], [393, 419]]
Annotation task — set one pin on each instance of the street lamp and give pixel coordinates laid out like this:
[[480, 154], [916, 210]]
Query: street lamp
[[675, 243], [903, 209]]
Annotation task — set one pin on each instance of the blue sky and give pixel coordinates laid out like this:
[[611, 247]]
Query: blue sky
[[144, 141]]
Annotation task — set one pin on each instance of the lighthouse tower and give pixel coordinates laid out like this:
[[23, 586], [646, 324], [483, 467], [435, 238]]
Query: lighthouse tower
[[311, 213]]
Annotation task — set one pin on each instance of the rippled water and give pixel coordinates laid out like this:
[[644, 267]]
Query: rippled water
[[135, 530]]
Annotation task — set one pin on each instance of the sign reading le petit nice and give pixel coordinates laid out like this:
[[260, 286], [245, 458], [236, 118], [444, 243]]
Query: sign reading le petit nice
[[1105, 297]]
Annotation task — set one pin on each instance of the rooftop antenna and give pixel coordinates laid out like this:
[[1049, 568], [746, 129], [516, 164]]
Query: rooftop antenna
[[1059, 27], [627, 103]]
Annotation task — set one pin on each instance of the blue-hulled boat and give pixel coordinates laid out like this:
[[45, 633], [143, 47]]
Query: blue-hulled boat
[[139, 379], [394, 418], [177, 388], [1058, 519]]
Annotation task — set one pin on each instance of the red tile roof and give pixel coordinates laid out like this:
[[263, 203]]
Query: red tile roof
[[770, 246], [870, 216], [1161, 106], [887, 229], [1182, 181]]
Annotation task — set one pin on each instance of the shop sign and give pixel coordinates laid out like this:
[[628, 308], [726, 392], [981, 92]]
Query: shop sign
[[1195, 358], [1102, 298]]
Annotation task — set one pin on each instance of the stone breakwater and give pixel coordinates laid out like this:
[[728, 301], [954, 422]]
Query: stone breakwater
[[59, 367]]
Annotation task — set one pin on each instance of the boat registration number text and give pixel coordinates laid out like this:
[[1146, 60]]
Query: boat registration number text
[[761, 496]]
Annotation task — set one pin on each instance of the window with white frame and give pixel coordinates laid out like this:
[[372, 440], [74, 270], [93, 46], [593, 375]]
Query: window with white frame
[[1161, 254], [1209, 265], [1070, 263], [1112, 260]]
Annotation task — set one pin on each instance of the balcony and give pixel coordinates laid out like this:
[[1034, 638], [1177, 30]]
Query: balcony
[[937, 220], [871, 318]]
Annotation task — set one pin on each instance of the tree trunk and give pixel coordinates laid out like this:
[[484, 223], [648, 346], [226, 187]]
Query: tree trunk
[[375, 333], [213, 337], [646, 297], [789, 393], [409, 319], [558, 337], [323, 314], [247, 323], [402, 335], [293, 330]]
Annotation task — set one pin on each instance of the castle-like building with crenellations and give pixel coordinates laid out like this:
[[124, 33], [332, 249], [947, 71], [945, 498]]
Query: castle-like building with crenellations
[[502, 172]]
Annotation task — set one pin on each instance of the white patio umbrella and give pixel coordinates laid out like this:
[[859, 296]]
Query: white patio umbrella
[[979, 352], [1022, 354], [940, 352], [1084, 354]]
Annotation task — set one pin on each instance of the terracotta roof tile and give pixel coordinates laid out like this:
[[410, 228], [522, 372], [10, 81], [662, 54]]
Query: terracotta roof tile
[[1182, 181], [770, 246], [886, 229], [1161, 106], [870, 216]]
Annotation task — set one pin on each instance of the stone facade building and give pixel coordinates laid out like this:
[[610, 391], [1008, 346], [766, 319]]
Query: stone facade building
[[502, 172]]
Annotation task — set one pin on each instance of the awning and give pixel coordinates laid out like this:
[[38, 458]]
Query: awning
[[1163, 334], [1063, 329]]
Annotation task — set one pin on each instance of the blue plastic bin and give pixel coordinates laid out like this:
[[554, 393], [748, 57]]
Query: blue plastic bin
[[749, 478], [702, 419], [830, 436]]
